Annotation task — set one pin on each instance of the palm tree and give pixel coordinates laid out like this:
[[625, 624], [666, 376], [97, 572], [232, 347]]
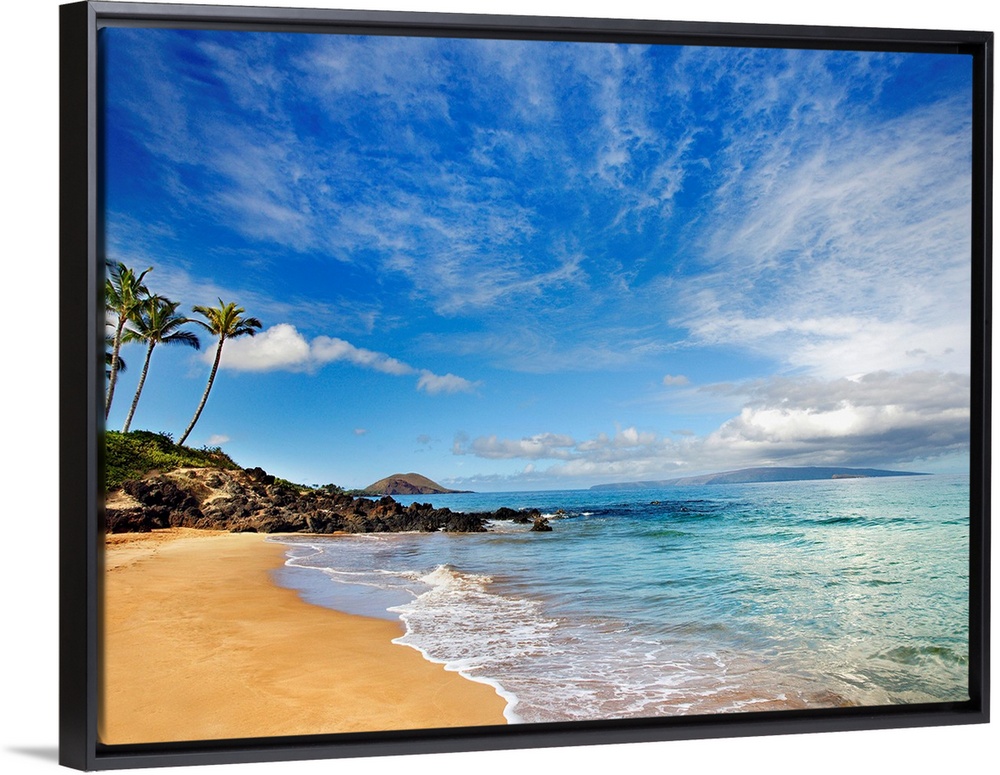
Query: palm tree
[[157, 322], [124, 293], [225, 322], [109, 342]]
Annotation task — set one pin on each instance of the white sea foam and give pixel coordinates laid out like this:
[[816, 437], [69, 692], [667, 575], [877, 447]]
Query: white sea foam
[[547, 669], [459, 623], [506, 526]]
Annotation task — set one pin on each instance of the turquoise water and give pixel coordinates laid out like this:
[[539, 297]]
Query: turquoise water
[[683, 600]]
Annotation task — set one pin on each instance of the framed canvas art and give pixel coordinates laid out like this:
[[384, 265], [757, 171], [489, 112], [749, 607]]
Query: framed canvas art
[[444, 382]]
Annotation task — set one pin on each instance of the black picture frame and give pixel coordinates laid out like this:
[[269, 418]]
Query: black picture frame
[[82, 379]]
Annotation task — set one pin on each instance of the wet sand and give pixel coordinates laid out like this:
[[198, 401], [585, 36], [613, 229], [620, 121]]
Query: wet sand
[[199, 644]]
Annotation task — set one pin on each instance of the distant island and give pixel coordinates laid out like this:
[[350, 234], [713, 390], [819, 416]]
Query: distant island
[[763, 474], [406, 484]]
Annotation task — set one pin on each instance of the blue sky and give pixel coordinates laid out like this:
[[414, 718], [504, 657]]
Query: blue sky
[[529, 265]]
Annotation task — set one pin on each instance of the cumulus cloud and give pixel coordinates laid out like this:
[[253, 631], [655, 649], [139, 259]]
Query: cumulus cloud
[[325, 349], [878, 419], [675, 380], [879, 416], [446, 383], [283, 348], [924, 391], [278, 347]]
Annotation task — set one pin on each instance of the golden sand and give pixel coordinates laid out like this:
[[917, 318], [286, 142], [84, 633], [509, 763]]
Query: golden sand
[[199, 643]]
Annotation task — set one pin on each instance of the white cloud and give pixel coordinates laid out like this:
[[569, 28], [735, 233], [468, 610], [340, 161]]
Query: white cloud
[[217, 439], [878, 416], [447, 383], [672, 380], [282, 348], [543, 446], [879, 419], [830, 251], [278, 347], [325, 349]]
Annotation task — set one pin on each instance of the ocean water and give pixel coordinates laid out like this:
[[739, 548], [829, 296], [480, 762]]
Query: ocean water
[[685, 600]]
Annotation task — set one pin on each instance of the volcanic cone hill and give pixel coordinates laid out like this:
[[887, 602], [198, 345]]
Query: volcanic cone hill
[[406, 484]]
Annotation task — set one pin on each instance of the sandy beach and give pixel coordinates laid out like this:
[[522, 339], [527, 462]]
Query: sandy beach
[[200, 644]]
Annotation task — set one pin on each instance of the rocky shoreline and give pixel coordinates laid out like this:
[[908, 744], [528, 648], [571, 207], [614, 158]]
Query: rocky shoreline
[[252, 501]]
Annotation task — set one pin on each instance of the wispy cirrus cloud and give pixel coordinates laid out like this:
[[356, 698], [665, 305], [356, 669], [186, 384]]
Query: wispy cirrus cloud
[[463, 231], [172, 279], [797, 214], [640, 220], [818, 248]]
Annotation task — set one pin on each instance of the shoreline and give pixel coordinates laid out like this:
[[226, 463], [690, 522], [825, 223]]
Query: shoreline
[[200, 643], [387, 614]]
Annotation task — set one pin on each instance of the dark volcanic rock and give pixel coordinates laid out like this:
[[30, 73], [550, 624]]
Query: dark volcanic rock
[[252, 501], [132, 520], [260, 475], [158, 492]]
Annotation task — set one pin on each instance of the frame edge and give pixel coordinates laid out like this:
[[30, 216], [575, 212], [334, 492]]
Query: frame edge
[[77, 381], [79, 431]]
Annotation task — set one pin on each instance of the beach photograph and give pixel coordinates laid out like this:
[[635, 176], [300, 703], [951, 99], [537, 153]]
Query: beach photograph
[[456, 383], [576, 380]]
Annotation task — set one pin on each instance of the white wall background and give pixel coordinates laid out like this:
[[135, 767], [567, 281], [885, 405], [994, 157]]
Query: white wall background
[[28, 556]]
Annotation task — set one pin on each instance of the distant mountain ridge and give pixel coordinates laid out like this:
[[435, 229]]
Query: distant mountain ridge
[[761, 474], [406, 484]]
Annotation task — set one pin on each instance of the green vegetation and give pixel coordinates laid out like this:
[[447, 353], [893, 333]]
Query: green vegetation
[[293, 485], [133, 455]]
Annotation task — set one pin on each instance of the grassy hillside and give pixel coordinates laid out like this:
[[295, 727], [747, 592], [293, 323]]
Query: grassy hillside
[[134, 454]]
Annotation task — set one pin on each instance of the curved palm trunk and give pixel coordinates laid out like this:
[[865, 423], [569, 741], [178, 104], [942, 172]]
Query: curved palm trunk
[[113, 378], [138, 390], [208, 388]]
